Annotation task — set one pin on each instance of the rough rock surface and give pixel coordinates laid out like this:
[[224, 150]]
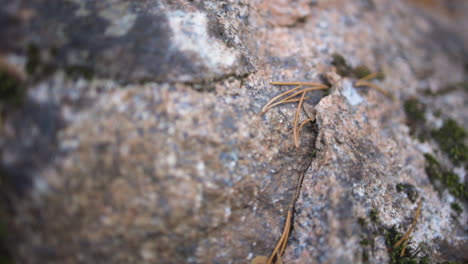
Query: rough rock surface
[[161, 155]]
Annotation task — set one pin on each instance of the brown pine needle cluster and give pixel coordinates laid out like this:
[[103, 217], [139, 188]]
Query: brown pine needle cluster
[[405, 237], [297, 94]]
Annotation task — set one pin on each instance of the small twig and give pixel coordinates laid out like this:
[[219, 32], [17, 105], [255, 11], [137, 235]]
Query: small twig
[[408, 233]]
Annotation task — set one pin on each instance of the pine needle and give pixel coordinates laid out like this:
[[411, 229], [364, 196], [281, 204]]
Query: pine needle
[[365, 82], [408, 233]]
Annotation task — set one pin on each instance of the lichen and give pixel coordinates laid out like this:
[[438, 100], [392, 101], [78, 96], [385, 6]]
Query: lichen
[[409, 189], [450, 180], [451, 139]]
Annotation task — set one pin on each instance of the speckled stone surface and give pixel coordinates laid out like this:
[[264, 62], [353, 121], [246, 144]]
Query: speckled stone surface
[[162, 156]]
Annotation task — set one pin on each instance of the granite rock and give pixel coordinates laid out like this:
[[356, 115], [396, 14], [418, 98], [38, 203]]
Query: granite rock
[[161, 154]]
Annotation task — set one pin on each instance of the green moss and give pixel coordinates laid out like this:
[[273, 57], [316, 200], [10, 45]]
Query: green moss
[[33, 62], [365, 256], [362, 222], [76, 71], [410, 191], [5, 248], [456, 207], [415, 114], [415, 110], [12, 90], [392, 236], [342, 67], [365, 242], [374, 215], [424, 260], [451, 137], [448, 179], [5, 254], [361, 71]]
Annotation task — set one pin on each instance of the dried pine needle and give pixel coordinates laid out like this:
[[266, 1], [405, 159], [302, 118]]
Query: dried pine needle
[[282, 242], [296, 120], [303, 123], [281, 245], [259, 260], [298, 83], [365, 82], [408, 233], [290, 97], [285, 101], [272, 103], [369, 77], [266, 107]]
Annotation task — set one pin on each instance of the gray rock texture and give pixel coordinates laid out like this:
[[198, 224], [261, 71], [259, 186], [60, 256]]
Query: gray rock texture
[[139, 137]]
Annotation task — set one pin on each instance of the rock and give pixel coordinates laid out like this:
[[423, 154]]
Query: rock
[[136, 41], [140, 139]]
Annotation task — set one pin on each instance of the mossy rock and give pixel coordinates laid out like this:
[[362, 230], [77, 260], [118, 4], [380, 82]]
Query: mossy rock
[[451, 139]]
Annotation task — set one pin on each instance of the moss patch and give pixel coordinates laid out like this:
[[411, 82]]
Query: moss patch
[[38, 67], [416, 119], [361, 71], [342, 67], [34, 61], [456, 207], [345, 70], [12, 90], [441, 176], [76, 71], [374, 215], [451, 139], [409, 189], [392, 236]]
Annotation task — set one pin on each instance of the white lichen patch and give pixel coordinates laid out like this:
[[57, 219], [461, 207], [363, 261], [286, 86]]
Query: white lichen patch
[[351, 95], [120, 18], [190, 34]]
